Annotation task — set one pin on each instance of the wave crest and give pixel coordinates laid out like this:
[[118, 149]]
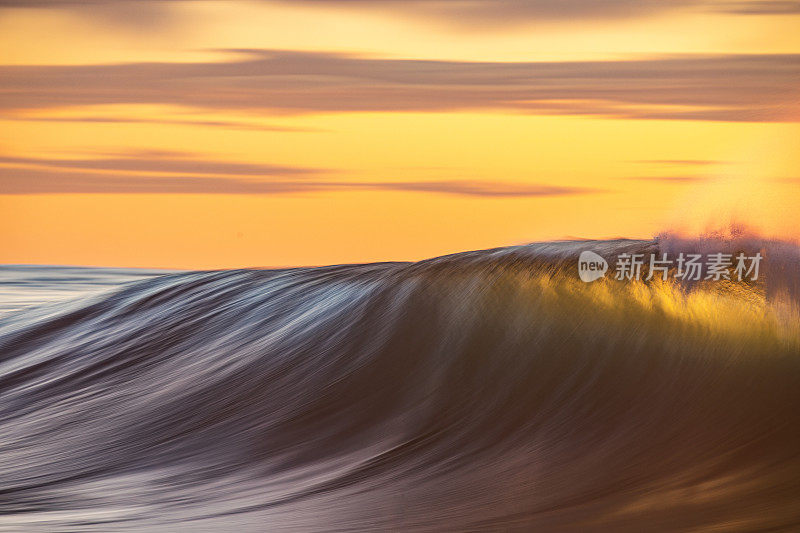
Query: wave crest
[[478, 391]]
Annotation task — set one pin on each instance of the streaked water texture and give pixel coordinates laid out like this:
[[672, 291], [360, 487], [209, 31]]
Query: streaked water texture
[[486, 391]]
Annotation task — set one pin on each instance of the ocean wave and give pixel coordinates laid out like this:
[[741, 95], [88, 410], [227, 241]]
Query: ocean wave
[[483, 391]]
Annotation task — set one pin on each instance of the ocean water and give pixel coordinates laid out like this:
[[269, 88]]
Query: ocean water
[[485, 391], [25, 286]]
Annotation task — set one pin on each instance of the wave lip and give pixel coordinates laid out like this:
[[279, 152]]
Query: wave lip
[[488, 390]]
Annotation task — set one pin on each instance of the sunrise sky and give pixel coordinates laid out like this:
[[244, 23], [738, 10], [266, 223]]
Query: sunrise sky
[[198, 134]]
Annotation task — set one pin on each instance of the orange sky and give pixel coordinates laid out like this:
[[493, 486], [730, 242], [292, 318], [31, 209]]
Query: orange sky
[[200, 134]]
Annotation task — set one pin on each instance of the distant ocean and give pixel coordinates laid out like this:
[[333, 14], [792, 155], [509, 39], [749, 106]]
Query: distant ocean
[[485, 391], [23, 286]]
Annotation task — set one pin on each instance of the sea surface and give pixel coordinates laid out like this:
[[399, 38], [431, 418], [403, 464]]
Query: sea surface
[[485, 391]]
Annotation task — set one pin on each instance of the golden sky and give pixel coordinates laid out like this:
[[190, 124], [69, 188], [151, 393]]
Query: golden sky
[[200, 134]]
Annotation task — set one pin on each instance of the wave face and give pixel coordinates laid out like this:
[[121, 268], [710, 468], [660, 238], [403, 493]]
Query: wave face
[[482, 391]]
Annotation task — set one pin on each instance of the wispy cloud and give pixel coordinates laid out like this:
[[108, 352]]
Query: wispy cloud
[[479, 188], [681, 162], [498, 13], [160, 162], [685, 180], [44, 180], [721, 87], [227, 124], [483, 13], [472, 14], [760, 7], [52, 181]]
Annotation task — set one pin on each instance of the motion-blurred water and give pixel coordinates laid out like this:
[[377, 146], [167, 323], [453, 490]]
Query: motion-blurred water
[[486, 391], [23, 286]]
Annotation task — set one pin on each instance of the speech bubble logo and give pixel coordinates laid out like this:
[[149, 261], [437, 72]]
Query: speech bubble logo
[[591, 266]]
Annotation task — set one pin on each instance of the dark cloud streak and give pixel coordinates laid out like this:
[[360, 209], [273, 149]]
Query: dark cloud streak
[[761, 7], [58, 181], [227, 124], [678, 180], [470, 14], [681, 162], [164, 163], [721, 87]]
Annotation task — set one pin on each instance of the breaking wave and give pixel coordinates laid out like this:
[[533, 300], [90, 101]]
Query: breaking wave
[[483, 391]]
